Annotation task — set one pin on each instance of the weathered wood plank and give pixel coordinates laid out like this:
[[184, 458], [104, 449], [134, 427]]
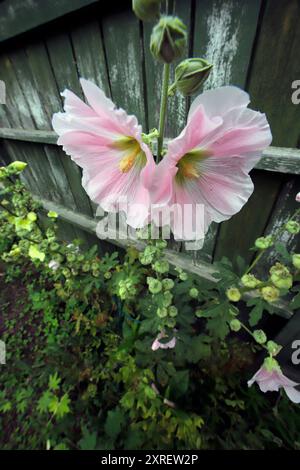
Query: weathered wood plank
[[285, 207], [238, 234], [121, 32], [89, 54], [275, 66], [64, 68], [224, 33], [19, 16]]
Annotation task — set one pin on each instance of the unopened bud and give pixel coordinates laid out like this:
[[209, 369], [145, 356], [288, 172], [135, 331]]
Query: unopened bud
[[259, 336], [16, 167], [270, 294], [262, 243], [233, 294], [293, 227], [235, 325], [190, 74], [146, 10], [296, 260], [168, 39]]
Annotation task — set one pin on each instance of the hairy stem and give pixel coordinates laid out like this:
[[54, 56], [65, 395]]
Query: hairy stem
[[163, 110]]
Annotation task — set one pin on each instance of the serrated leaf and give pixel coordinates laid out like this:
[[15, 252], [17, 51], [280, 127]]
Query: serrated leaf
[[54, 381], [44, 402], [88, 440], [114, 422]]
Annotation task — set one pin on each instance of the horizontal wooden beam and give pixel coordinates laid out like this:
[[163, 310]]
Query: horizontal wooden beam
[[277, 159], [201, 269], [19, 16], [32, 135]]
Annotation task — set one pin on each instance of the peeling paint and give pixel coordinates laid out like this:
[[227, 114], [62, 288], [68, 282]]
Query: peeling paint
[[222, 44]]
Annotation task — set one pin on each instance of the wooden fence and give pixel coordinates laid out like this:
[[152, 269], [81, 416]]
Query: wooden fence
[[46, 45]]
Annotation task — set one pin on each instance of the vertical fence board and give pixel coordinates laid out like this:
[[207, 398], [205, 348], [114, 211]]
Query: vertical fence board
[[123, 51], [224, 33]]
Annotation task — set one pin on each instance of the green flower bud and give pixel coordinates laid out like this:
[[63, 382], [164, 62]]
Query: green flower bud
[[296, 260], [162, 312], [155, 286], [146, 10], [161, 244], [190, 74], [52, 214], [107, 275], [168, 297], [167, 284], [194, 293], [199, 313], [271, 364], [281, 277], [32, 216], [15, 252], [262, 243], [168, 39], [66, 272], [16, 167], [86, 267], [183, 276], [161, 266], [3, 172], [292, 226], [235, 325], [270, 294], [233, 294], [54, 246], [259, 336], [249, 280], [173, 312], [273, 348], [171, 322]]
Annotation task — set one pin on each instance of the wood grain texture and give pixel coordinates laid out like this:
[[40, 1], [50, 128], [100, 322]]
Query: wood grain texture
[[122, 42], [275, 66], [19, 16]]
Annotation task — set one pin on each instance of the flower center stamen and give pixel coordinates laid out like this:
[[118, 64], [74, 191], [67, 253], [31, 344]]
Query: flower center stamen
[[132, 153], [188, 165]]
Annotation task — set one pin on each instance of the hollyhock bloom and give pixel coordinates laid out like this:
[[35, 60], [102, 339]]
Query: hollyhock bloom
[[158, 345], [107, 144], [270, 379], [209, 162], [298, 197]]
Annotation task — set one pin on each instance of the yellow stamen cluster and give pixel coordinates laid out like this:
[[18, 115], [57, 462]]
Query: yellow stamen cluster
[[132, 153], [188, 165]]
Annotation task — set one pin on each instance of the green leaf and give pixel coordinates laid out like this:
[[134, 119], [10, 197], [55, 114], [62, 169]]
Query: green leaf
[[60, 407], [44, 402], [54, 382], [256, 313], [114, 422], [179, 383], [295, 303], [88, 440]]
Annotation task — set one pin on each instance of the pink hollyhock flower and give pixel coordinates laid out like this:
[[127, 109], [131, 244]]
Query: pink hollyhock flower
[[107, 144], [158, 345], [298, 197], [270, 379], [209, 162]]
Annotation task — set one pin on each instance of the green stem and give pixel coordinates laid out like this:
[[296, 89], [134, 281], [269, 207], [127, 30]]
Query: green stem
[[256, 260], [163, 110]]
